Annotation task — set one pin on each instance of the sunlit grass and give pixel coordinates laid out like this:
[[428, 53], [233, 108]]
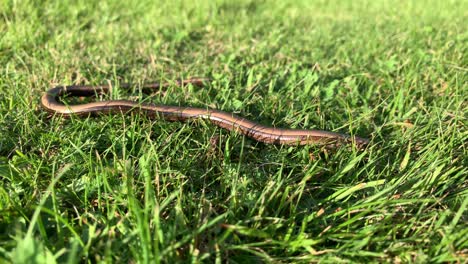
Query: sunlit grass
[[130, 189]]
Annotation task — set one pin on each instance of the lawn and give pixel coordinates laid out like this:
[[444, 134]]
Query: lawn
[[127, 188]]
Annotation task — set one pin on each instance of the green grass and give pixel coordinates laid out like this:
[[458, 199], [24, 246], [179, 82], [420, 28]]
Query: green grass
[[129, 189]]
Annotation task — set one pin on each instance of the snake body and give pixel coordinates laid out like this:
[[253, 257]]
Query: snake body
[[51, 102]]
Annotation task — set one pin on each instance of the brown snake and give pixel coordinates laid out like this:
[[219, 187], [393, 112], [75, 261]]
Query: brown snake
[[51, 103]]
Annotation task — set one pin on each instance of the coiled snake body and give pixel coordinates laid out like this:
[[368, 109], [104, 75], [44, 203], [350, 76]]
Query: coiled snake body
[[51, 103]]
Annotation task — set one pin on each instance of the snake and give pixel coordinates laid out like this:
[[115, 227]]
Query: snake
[[52, 103]]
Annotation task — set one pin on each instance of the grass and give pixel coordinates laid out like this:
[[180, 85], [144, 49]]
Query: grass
[[129, 189]]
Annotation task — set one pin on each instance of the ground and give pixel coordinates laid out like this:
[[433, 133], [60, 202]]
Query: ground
[[126, 188]]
